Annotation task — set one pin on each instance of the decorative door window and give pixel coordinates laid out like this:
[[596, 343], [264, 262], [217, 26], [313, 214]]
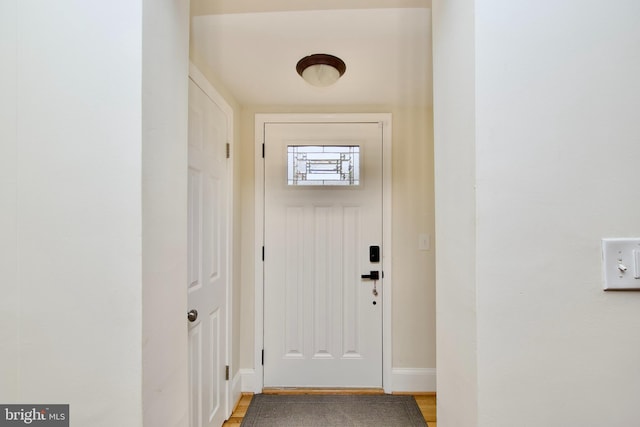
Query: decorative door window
[[323, 165]]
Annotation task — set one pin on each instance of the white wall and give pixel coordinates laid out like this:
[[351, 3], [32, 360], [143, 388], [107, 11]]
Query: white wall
[[70, 185], [165, 67], [557, 138], [454, 140], [92, 172], [10, 301], [413, 301], [558, 143]]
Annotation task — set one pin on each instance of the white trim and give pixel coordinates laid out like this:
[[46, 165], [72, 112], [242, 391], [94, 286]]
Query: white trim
[[249, 381], [385, 119], [387, 245], [201, 81], [414, 379], [236, 390], [258, 377]]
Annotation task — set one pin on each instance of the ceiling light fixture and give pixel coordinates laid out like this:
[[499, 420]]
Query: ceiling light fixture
[[321, 69]]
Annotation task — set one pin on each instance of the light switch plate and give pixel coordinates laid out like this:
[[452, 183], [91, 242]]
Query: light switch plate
[[424, 242], [621, 263]]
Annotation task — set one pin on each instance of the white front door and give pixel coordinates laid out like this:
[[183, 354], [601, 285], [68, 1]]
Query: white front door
[[207, 255], [322, 223]]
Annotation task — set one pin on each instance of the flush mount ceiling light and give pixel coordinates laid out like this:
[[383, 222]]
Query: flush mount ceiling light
[[321, 69]]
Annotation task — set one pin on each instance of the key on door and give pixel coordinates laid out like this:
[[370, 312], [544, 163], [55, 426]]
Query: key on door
[[373, 275]]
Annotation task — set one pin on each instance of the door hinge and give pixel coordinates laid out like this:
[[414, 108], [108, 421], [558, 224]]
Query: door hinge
[[263, 150], [263, 253], [226, 372], [263, 357], [228, 150]]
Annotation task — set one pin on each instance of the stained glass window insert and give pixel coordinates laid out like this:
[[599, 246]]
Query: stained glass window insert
[[323, 165]]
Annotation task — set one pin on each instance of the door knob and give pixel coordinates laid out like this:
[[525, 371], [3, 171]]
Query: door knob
[[373, 275], [192, 315]]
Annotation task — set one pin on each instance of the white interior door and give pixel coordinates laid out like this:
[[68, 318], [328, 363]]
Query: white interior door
[[323, 212], [208, 275]]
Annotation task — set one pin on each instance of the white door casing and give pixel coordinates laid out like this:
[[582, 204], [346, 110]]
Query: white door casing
[[330, 333], [208, 257]]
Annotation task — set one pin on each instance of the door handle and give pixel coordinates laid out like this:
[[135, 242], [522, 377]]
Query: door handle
[[192, 315], [373, 275]]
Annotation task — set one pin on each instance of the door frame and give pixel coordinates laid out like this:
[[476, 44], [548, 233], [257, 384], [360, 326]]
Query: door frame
[[232, 391], [386, 120]]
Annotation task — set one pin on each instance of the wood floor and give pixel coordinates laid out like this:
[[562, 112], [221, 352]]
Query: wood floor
[[426, 403]]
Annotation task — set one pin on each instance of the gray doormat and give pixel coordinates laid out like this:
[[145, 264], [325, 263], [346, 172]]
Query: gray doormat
[[380, 410]]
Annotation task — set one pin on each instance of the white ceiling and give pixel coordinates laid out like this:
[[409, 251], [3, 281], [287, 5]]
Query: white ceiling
[[387, 52]]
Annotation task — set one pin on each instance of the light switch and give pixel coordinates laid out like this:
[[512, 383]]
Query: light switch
[[424, 242], [621, 263]]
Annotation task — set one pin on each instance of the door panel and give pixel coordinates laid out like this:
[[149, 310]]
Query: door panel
[[207, 240], [323, 325]]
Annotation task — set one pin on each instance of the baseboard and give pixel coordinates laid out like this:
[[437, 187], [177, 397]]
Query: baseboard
[[402, 380], [236, 393], [249, 381], [413, 379]]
